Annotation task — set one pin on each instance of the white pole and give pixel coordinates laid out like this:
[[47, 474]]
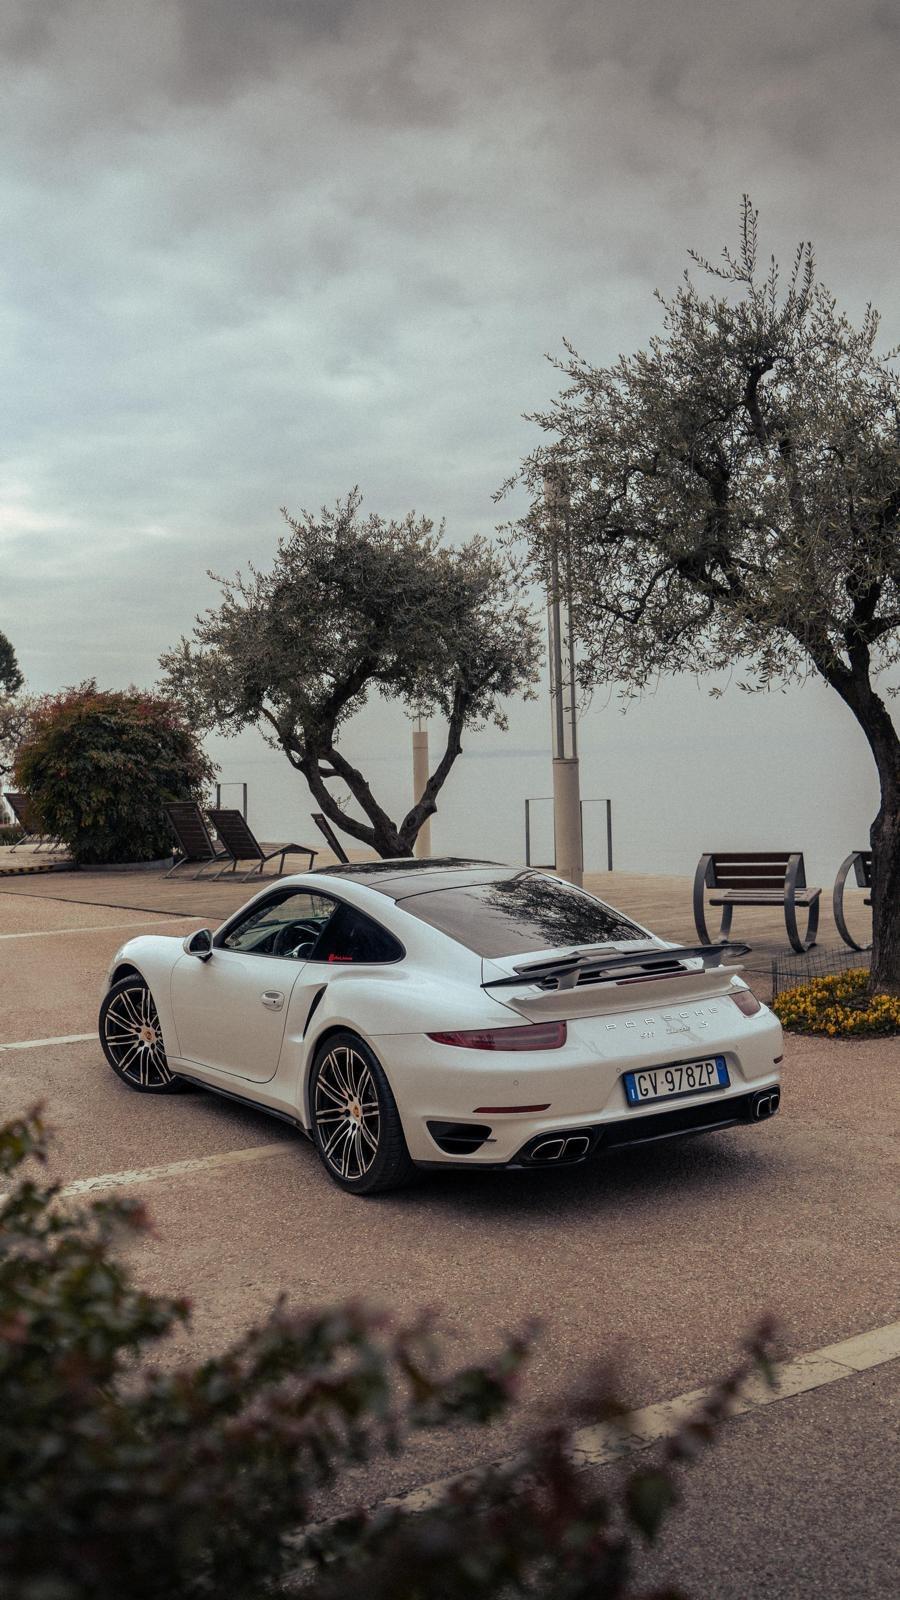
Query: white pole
[[422, 845], [566, 779]]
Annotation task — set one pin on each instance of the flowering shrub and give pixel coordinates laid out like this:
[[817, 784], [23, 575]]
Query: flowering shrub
[[121, 1480], [840, 1006], [100, 765]]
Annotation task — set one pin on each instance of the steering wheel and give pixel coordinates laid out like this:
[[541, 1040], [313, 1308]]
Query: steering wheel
[[294, 938]]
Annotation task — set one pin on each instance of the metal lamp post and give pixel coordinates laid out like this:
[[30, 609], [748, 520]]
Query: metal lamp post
[[568, 851]]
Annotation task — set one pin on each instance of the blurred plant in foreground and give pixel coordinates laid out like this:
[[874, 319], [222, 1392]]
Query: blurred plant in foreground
[[118, 1480]]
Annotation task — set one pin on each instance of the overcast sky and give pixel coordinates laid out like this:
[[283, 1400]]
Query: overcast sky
[[254, 253]]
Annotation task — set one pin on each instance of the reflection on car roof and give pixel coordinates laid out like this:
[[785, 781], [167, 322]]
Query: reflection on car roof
[[407, 875]]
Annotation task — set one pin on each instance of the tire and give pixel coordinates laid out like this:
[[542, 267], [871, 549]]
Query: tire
[[128, 1019], [355, 1122]]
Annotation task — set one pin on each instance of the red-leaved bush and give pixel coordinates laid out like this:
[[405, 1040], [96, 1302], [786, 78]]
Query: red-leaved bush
[[100, 765]]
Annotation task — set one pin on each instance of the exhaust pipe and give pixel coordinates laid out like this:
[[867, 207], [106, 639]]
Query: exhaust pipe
[[548, 1150], [765, 1105], [560, 1149], [576, 1147]]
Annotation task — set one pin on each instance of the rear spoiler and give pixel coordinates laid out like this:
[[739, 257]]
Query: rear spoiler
[[567, 969]]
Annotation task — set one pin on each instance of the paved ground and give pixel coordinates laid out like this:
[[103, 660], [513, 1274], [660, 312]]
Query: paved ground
[[663, 1255]]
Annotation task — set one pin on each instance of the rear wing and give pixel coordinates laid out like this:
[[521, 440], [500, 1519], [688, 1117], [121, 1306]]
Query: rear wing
[[565, 972]]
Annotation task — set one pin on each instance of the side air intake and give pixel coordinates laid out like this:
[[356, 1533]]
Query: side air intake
[[459, 1138]]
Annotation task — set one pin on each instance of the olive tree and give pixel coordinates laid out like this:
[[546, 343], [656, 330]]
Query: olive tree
[[354, 604], [734, 497]]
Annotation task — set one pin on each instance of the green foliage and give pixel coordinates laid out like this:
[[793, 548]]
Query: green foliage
[[118, 1478], [11, 679], [101, 764], [354, 605], [10, 833], [734, 500]]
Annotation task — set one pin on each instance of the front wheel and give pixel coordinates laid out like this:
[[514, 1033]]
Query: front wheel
[[355, 1121], [132, 1038]]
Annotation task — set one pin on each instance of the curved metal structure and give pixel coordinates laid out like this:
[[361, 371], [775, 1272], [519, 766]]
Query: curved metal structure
[[860, 862]]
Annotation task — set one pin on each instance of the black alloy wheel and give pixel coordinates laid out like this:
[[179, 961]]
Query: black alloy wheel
[[356, 1124], [132, 1038]]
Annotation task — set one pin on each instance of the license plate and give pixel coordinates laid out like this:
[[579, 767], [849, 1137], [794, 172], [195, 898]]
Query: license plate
[[688, 1077]]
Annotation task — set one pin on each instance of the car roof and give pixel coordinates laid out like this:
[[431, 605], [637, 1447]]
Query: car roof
[[406, 875]]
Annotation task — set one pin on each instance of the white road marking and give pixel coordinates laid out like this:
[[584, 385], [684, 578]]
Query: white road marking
[[99, 927], [63, 1038], [600, 1445], [178, 1169]]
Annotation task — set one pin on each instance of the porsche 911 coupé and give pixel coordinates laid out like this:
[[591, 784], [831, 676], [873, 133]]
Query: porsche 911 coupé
[[425, 1013]]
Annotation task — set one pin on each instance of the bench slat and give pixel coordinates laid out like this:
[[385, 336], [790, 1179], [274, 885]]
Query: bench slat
[[774, 857], [764, 881], [762, 897]]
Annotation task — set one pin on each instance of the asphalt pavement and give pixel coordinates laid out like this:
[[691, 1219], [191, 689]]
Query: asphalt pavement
[[661, 1257]]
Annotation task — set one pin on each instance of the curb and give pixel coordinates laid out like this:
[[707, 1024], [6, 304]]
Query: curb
[[125, 866], [50, 866]]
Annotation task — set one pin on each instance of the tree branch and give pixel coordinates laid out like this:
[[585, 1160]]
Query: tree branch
[[425, 807], [751, 400], [361, 792], [351, 825]]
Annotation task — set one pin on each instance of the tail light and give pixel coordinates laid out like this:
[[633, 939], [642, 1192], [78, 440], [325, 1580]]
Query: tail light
[[746, 1001], [533, 1036]]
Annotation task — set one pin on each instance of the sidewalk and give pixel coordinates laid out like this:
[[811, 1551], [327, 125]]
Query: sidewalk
[[660, 903]]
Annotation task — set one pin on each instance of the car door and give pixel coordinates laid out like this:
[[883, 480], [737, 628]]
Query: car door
[[230, 1011]]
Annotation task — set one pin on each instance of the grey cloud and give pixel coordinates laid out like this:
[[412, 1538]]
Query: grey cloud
[[255, 254]]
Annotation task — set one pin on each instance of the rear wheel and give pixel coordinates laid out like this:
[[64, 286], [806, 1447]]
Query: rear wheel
[[132, 1038], [356, 1124]]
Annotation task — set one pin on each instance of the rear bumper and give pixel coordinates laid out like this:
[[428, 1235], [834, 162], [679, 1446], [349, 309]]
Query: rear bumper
[[457, 1105], [570, 1147]]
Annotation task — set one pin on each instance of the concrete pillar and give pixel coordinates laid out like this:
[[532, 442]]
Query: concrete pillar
[[420, 778], [567, 820]]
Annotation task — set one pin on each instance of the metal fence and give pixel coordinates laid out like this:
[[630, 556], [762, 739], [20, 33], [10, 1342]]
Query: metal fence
[[233, 784], [533, 833], [821, 962]]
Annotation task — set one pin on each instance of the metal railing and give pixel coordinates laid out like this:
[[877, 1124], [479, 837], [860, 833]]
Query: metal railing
[[544, 799], [233, 784]]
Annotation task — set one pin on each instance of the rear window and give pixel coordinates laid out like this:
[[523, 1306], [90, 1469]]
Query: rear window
[[525, 912]]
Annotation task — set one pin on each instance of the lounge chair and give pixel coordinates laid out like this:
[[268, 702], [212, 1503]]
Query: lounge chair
[[325, 828], [241, 843], [195, 843], [23, 809]]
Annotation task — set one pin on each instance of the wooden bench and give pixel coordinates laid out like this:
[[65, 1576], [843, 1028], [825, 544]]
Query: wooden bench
[[756, 878], [861, 863]]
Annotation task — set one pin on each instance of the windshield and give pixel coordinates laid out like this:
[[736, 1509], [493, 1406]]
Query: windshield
[[526, 911]]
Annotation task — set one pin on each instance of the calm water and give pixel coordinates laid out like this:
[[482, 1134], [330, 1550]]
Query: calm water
[[685, 773]]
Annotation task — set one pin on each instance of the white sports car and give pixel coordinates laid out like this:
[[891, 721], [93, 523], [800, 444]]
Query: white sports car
[[418, 1013]]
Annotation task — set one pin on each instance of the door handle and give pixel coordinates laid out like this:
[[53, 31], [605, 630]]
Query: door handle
[[273, 999]]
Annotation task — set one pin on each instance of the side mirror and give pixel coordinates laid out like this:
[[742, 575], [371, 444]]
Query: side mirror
[[198, 944]]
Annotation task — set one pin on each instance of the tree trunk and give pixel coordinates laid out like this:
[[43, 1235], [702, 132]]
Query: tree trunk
[[872, 714], [885, 840], [381, 834], [426, 806]]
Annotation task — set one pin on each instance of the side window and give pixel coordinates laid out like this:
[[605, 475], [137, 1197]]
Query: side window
[[286, 924], [352, 936]]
